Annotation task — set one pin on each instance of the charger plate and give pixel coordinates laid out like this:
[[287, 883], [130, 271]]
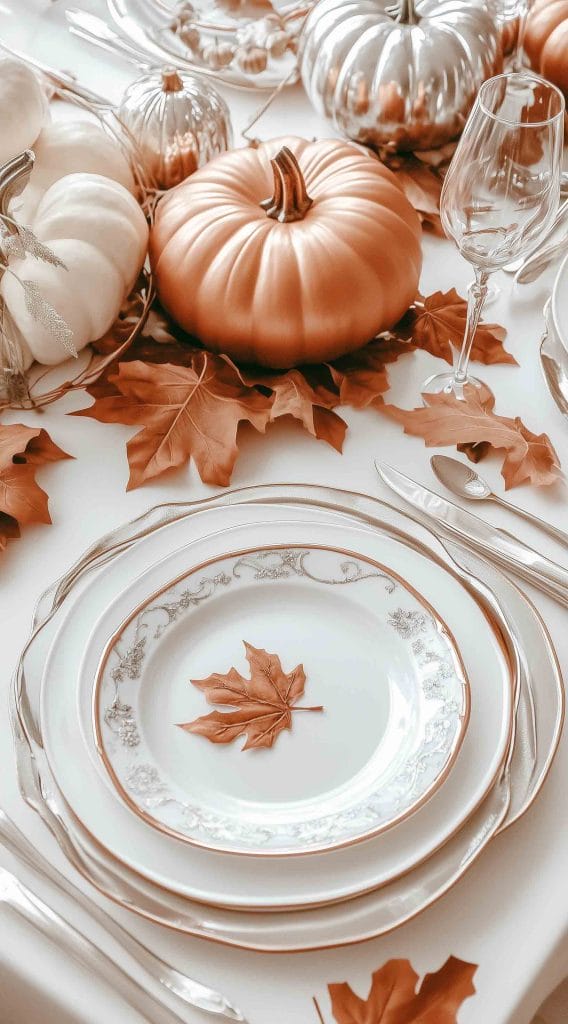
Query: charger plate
[[392, 701], [539, 718], [282, 882]]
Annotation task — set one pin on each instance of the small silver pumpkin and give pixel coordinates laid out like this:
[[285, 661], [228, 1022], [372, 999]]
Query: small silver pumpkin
[[179, 122], [402, 75]]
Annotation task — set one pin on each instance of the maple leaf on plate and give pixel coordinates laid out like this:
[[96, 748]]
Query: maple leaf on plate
[[265, 702], [437, 322], [304, 394], [393, 998], [186, 411], [447, 420], [22, 500]]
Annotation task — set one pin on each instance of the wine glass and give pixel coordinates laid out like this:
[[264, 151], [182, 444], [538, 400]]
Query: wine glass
[[501, 190], [507, 13]]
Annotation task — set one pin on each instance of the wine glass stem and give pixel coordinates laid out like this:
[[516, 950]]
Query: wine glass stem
[[477, 294], [518, 63]]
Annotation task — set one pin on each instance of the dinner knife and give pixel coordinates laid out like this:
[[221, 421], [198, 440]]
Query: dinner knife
[[495, 544]]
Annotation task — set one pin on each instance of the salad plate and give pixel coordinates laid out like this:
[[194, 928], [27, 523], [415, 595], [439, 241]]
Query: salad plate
[[349, 722], [277, 881]]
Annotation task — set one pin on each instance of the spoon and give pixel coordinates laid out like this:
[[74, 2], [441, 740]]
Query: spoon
[[466, 483]]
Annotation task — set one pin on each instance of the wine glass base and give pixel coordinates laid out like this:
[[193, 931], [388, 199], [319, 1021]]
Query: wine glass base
[[446, 384]]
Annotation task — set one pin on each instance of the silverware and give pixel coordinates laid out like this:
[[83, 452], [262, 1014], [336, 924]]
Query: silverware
[[58, 78], [517, 266], [464, 482], [73, 943], [497, 545], [554, 362], [184, 990], [535, 265], [96, 31]]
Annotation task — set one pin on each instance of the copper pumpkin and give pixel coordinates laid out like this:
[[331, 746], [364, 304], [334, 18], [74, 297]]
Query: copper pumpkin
[[546, 40], [294, 252]]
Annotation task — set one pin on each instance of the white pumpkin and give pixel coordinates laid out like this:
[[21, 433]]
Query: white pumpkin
[[23, 108], [67, 147], [99, 231]]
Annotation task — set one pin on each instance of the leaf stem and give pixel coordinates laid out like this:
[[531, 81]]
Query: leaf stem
[[318, 1011], [302, 708]]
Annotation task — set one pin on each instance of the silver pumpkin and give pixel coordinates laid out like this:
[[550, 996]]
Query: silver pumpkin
[[179, 122], [402, 75]]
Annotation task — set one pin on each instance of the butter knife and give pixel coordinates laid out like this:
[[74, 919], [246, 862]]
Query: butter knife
[[497, 545]]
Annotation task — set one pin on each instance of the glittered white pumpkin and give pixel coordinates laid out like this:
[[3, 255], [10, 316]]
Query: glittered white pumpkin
[[68, 147], [23, 108], [99, 231]]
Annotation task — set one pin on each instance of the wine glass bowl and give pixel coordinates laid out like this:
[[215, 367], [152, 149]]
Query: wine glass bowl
[[502, 188], [510, 194]]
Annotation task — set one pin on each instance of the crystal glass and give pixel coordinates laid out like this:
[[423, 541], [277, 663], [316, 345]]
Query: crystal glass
[[506, 12], [501, 191]]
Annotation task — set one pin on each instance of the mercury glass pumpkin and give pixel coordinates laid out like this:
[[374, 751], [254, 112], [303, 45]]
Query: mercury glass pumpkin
[[179, 122], [403, 75]]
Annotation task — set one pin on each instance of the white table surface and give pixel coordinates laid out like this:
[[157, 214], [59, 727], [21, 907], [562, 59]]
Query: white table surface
[[510, 913]]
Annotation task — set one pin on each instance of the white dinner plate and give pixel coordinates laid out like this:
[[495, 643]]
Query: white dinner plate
[[269, 632], [276, 882], [387, 908]]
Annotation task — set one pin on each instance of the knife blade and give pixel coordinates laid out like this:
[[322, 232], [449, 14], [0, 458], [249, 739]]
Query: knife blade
[[490, 541]]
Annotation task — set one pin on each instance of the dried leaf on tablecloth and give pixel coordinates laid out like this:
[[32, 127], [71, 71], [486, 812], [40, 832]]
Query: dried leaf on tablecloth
[[305, 394], [393, 998], [186, 411], [22, 500], [362, 376], [265, 702], [448, 421], [436, 322]]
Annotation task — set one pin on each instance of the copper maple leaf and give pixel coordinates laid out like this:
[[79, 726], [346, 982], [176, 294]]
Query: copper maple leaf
[[362, 377], [264, 702], [393, 998], [22, 500], [447, 420], [437, 322], [186, 411], [306, 395]]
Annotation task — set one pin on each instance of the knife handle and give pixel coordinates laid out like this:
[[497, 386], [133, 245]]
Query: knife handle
[[517, 557]]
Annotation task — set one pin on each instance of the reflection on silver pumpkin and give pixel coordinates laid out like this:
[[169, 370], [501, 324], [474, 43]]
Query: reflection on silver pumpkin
[[403, 75], [179, 122]]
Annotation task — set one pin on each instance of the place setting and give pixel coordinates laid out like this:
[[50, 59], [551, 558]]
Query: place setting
[[283, 717]]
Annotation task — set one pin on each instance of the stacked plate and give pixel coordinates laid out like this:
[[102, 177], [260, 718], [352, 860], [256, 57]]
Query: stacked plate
[[285, 718]]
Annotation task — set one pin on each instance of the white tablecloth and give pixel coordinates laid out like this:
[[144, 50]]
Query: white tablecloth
[[510, 913]]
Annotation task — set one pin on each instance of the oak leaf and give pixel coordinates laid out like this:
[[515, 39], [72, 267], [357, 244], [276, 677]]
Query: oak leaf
[[393, 998], [447, 420], [22, 500], [437, 322], [265, 702], [185, 411]]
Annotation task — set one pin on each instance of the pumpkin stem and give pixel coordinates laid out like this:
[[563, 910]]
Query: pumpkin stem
[[171, 81], [290, 201], [404, 12]]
